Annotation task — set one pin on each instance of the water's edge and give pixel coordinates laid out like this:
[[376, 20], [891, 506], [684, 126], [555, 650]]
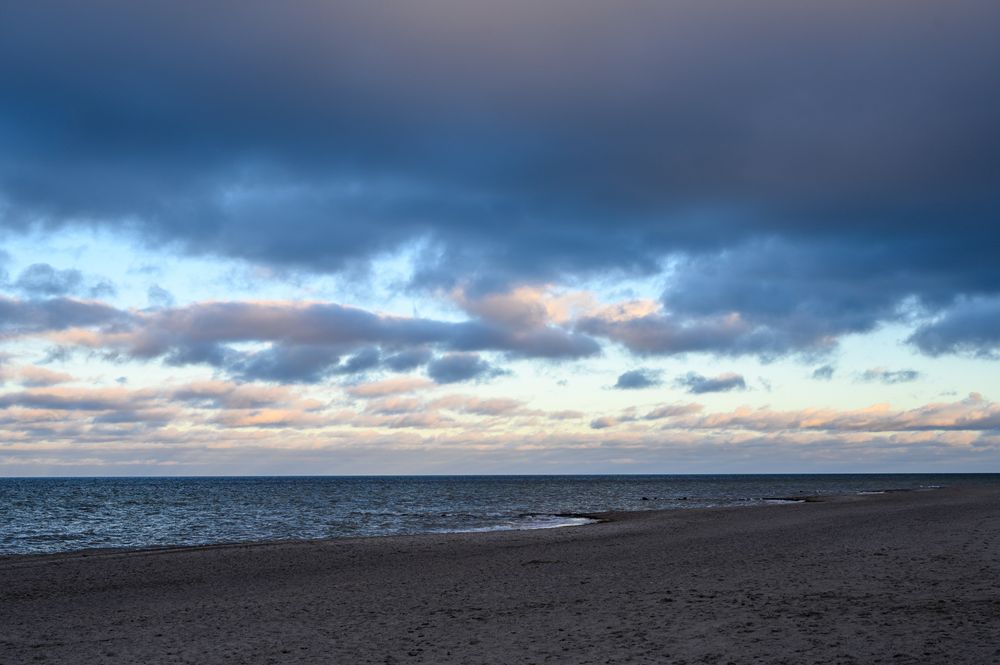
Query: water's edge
[[48, 516]]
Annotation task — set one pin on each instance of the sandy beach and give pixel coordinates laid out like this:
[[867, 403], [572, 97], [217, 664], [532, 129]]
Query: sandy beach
[[908, 577]]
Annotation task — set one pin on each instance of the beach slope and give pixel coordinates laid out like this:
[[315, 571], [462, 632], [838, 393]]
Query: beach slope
[[895, 578]]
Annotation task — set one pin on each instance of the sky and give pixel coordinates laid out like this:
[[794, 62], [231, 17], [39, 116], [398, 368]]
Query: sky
[[556, 236]]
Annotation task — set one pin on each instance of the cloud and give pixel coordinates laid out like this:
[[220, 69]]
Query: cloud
[[775, 297], [672, 411], [386, 387], [660, 334], [407, 360], [40, 280], [32, 376], [21, 317], [177, 427], [888, 377], [305, 363], [808, 200], [271, 418], [698, 384], [971, 326], [71, 399], [972, 414], [638, 378], [87, 413], [496, 406], [159, 297], [823, 373], [304, 342], [565, 414], [456, 367], [226, 395], [394, 406]]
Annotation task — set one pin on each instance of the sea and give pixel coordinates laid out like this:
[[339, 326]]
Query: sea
[[48, 515]]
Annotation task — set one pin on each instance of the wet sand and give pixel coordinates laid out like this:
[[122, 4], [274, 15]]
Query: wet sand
[[894, 578]]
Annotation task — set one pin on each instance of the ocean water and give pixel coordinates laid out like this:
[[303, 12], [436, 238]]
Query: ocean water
[[44, 515]]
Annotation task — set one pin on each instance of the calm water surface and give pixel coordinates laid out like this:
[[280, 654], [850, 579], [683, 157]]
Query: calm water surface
[[39, 515]]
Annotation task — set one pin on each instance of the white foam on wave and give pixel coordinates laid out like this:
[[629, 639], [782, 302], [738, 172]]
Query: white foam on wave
[[556, 522], [524, 524]]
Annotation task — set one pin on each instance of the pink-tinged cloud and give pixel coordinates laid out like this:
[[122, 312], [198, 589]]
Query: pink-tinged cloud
[[276, 418], [497, 406], [226, 395], [32, 376], [394, 405], [77, 399], [673, 411], [386, 387], [973, 413]]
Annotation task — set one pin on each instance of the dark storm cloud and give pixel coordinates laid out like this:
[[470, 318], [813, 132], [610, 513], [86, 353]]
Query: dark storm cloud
[[638, 378], [811, 165], [697, 384]]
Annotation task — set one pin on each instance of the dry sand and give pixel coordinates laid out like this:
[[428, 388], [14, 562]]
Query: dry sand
[[894, 578]]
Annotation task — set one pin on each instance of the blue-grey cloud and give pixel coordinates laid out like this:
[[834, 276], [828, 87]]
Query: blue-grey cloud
[[456, 367], [672, 411], [697, 384], [159, 296], [410, 359], [823, 373], [41, 280], [282, 363], [638, 378], [604, 422], [785, 155], [886, 376], [659, 334], [296, 342], [82, 401], [33, 316], [971, 327]]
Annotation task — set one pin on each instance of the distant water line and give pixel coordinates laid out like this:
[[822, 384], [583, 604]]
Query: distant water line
[[45, 515]]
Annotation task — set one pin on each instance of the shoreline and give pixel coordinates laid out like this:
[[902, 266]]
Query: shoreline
[[594, 517], [907, 577]]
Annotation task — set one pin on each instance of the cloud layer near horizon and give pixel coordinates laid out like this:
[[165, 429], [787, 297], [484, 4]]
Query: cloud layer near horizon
[[191, 424]]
